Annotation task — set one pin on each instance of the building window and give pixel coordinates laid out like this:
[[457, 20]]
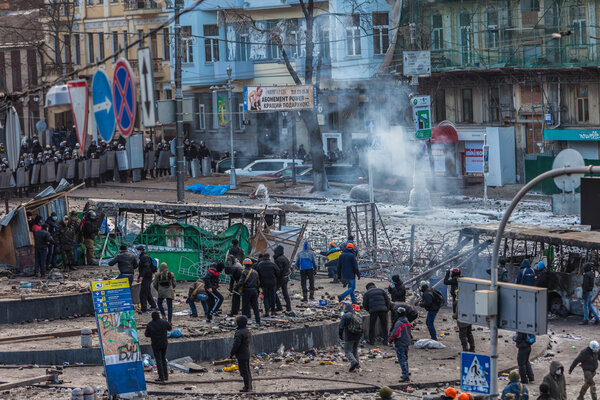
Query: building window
[[76, 49], [325, 45], [294, 40], [494, 104], [115, 44], [467, 105], [89, 2], [125, 44], [241, 116], [188, 44], [32, 78], [244, 47], [464, 26], [334, 120], [90, 44], [273, 48], [381, 33], [141, 38], [154, 45], [353, 37], [437, 32], [67, 52], [579, 25], [15, 65], [201, 117], [101, 52], [211, 43], [583, 109], [530, 5], [491, 33], [100, 2], [440, 105], [166, 44]]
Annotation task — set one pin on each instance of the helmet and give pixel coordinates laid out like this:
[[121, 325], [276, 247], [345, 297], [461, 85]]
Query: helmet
[[350, 246], [422, 284], [541, 265], [594, 345], [140, 247], [385, 392], [464, 396], [247, 261], [401, 311], [148, 140], [356, 307], [455, 271], [92, 214], [333, 244], [450, 392]]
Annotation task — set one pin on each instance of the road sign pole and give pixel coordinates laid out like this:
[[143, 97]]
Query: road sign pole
[[179, 105], [293, 148], [232, 176]]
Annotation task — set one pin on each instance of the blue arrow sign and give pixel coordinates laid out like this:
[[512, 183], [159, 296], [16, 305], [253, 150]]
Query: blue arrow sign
[[102, 105], [475, 373], [124, 96]]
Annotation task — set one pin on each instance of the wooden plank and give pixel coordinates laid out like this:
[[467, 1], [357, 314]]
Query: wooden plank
[[27, 382], [44, 336]]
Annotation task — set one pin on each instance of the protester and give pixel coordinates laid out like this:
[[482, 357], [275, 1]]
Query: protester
[[283, 263], [89, 230], [545, 278], [234, 270], [515, 389], [411, 313], [42, 241], [235, 251], [350, 331], [348, 271], [67, 237], [157, 330], [247, 287], [449, 393], [526, 275], [588, 358], [587, 287], [353, 248], [164, 283], [451, 280], [269, 275], [332, 254], [126, 263], [545, 393], [555, 379], [145, 273], [52, 223], [431, 301], [305, 261], [397, 290], [241, 351], [197, 292], [523, 342], [76, 226], [211, 284], [401, 337], [465, 334], [377, 303]]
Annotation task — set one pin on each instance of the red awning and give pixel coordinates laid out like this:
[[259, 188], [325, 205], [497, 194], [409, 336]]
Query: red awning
[[444, 134]]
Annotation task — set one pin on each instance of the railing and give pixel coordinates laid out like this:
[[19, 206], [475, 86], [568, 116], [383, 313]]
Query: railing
[[140, 5], [157, 64]]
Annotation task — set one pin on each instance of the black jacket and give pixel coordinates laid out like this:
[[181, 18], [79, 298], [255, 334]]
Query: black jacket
[[546, 279], [429, 302], [411, 313], [253, 281], [157, 330], [237, 252], [268, 272], [397, 291], [211, 279], [376, 300], [241, 340], [67, 234], [235, 271], [42, 239], [451, 281], [588, 360], [521, 341], [344, 333], [89, 229], [588, 281], [146, 266], [125, 261], [282, 263]]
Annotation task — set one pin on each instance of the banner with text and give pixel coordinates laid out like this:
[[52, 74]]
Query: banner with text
[[474, 157], [118, 337], [279, 98]]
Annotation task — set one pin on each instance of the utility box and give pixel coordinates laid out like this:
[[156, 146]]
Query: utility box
[[520, 308], [486, 302]]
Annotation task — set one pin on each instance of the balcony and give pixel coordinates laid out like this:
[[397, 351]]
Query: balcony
[[157, 66], [239, 70], [134, 7]]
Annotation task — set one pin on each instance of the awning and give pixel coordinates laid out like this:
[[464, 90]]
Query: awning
[[444, 134], [572, 134]]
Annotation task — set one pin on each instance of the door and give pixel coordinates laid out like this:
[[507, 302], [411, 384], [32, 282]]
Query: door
[[267, 126]]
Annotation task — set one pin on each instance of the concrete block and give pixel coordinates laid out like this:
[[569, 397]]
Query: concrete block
[[566, 204]]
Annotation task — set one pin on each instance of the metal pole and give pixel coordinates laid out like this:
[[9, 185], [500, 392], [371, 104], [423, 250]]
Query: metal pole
[[179, 105], [494, 266], [370, 177], [293, 116], [485, 190], [232, 176]]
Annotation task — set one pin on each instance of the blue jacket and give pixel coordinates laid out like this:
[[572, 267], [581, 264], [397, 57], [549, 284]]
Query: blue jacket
[[515, 388], [306, 259], [347, 266], [526, 276]]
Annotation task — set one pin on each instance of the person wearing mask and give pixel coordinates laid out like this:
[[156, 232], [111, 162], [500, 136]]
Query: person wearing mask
[[431, 300], [283, 264], [145, 272], [268, 273], [126, 262], [42, 241], [247, 287], [305, 261], [348, 272], [545, 393], [164, 283], [588, 358], [157, 330], [38, 221], [377, 303], [241, 351], [332, 255], [523, 342], [555, 379], [401, 338], [234, 270], [236, 251], [197, 292], [526, 275], [211, 285], [67, 236], [451, 280], [587, 287], [89, 231], [52, 223], [350, 331], [397, 290], [515, 389]]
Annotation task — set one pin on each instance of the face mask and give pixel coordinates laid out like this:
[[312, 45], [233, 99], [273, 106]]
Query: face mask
[[559, 372], [54, 218]]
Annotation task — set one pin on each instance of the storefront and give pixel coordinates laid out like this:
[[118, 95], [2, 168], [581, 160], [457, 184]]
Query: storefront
[[585, 141]]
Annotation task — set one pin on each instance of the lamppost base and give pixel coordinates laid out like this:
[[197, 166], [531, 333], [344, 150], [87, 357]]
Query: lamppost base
[[233, 181]]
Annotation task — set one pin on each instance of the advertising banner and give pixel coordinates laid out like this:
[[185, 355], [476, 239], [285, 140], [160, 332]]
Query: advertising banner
[[474, 157], [119, 341], [279, 98]]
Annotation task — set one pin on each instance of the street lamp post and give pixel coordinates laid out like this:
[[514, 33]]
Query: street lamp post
[[232, 177]]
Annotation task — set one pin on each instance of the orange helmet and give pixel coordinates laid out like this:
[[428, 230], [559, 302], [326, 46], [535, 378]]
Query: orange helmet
[[464, 396], [350, 246], [247, 261], [333, 244], [356, 307], [450, 392]]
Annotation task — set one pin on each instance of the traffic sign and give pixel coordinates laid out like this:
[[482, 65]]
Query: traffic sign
[[475, 373], [124, 102], [422, 116], [102, 105], [370, 125], [147, 88], [78, 95]]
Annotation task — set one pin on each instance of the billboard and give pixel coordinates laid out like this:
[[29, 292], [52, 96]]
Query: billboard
[[474, 157], [279, 98]]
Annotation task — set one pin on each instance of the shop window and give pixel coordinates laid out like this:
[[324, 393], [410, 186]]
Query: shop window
[[467, 105]]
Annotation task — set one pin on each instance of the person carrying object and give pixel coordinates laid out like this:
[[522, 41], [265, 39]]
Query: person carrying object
[[431, 300], [587, 288]]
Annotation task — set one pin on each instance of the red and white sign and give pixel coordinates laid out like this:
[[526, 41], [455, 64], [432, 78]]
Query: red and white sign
[[78, 95], [474, 157]]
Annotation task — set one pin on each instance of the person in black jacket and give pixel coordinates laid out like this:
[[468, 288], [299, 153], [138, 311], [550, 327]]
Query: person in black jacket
[[377, 303], [451, 279], [397, 290], [52, 223], [429, 302], [241, 351], [89, 230], [523, 342], [588, 358], [247, 287], [283, 263], [126, 262], [146, 269], [42, 240], [235, 251], [157, 330], [587, 288], [234, 270], [269, 275], [350, 338], [411, 313], [211, 285]]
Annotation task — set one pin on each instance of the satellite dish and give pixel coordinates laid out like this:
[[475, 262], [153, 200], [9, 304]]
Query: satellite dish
[[568, 158]]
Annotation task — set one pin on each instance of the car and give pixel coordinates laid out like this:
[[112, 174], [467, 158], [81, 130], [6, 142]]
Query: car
[[286, 172], [225, 164], [265, 166], [343, 173]]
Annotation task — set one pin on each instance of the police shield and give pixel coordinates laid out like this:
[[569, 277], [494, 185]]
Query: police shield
[[21, 177], [71, 168], [95, 168], [122, 160], [80, 169], [50, 171], [87, 169], [110, 160], [61, 171], [6, 180], [149, 160], [43, 173], [163, 160], [103, 163], [206, 166], [195, 166], [35, 174]]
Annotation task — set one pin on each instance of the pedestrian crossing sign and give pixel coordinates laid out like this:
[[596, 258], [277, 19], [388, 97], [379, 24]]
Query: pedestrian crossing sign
[[475, 373]]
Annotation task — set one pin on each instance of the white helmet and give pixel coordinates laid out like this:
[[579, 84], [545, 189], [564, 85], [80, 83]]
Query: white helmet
[[594, 345]]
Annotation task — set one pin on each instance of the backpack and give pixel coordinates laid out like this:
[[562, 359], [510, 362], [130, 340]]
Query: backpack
[[528, 277], [355, 324], [529, 338], [154, 265], [164, 279], [438, 298]]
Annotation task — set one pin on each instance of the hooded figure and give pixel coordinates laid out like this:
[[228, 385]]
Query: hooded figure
[[165, 283], [283, 263], [350, 331], [305, 261], [587, 287], [526, 275], [211, 283], [241, 351], [397, 290], [556, 381], [157, 330]]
